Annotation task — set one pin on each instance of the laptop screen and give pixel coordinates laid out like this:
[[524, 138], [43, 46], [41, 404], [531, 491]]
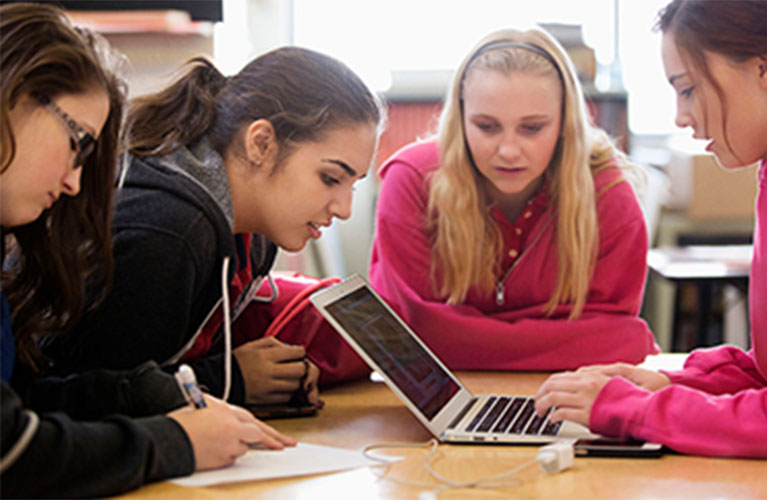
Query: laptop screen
[[397, 353]]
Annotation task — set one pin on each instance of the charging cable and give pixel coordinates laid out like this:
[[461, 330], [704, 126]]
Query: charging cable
[[552, 458]]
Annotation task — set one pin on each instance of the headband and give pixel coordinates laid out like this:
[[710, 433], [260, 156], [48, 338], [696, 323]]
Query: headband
[[507, 44]]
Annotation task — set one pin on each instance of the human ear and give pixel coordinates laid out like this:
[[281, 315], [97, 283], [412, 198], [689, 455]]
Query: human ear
[[763, 71], [260, 142]]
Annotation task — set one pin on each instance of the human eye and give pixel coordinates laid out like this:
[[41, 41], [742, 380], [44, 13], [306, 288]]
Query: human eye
[[486, 127], [532, 128], [686, 93], [329, 180]]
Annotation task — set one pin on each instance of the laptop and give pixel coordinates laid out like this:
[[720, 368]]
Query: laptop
[[426, 386]]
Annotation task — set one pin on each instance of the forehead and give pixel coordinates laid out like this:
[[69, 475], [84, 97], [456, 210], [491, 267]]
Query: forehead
[[352, 145], [673, 63], [517, 93]]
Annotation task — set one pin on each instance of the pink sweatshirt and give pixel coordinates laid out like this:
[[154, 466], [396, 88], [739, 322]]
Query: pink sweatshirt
[[716, 405], [480, 334]]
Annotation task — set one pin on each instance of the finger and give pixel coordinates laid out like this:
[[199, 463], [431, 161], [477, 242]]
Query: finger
[[559, 399], [286, 353], [274, 433], [563, 383], [243, 415], [255, 434], [288, 370], [265, 343], [577, 415]]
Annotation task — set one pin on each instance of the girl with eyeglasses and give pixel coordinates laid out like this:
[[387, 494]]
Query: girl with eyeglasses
[[95, 433], [715, 56]]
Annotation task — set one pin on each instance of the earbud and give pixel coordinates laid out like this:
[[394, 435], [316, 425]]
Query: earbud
[[556, 457]]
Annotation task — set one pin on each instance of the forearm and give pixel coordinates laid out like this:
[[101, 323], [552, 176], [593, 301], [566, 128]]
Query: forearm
[[65, 458], [143, 391], [719, 370], [685, 419]]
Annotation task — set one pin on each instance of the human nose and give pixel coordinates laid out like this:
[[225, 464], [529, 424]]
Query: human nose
[[683, 116], [71, 182], [509, 147], [341, 205]]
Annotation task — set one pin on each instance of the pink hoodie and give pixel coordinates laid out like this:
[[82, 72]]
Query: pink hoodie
[[480, 334], [716, 405]]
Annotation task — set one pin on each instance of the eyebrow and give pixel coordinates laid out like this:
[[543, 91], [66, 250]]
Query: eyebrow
[[674, 78], [349, 170]]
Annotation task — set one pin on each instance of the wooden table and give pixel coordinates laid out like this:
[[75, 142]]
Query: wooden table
[[365, 412]]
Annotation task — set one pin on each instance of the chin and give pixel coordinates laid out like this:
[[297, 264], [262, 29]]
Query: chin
[[292, 246]]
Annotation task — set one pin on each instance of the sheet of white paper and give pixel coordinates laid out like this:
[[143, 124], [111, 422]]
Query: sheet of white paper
[[300, 460]]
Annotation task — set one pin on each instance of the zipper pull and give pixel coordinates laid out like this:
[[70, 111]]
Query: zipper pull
[[499, 293]]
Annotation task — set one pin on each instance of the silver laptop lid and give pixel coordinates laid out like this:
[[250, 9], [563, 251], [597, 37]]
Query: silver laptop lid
[[391, 348]]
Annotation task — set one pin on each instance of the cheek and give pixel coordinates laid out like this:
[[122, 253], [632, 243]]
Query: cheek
[[481, 147]]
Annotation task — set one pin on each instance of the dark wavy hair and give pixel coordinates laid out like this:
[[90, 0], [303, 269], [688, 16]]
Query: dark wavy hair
[[303, 93], [53, 259], [734, 29]]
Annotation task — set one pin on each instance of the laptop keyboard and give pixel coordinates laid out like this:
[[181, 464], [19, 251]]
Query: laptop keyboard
[[511, 415]]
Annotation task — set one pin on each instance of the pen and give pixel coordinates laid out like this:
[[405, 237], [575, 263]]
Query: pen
[[190, 389]]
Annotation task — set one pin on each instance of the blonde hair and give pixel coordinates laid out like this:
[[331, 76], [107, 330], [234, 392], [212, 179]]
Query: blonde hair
[[458, 212]]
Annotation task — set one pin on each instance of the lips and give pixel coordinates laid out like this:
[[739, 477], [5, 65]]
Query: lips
[[314, 229], [510, 170], [51, 199]]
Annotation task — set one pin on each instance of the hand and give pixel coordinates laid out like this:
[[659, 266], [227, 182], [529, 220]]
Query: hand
[[311, 384], [572, 394], [646, 379], [221, 432], [272, 370]]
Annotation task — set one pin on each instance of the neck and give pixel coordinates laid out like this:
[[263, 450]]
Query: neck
[[513, 204]]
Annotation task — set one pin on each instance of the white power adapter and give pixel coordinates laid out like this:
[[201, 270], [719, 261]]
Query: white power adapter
[[556, 457]]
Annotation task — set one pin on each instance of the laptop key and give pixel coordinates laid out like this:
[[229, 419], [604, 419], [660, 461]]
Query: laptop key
[[494, 414], [478, 417], [468, 406], [551, 428], [524, 417], [509, 414]]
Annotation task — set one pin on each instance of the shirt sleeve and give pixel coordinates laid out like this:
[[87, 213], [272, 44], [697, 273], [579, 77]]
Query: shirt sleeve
[[143, 391], [512, 338], [685, 419], [149, 313], [719, 370], [50, 455]]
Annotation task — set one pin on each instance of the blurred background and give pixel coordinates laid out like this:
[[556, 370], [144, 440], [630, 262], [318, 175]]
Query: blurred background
[[699, 217]]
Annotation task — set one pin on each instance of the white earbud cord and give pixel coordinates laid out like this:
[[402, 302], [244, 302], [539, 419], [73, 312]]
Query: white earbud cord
[[227, 328], [488, 482]]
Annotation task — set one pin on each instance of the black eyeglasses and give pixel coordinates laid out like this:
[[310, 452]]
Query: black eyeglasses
[[80, 140]]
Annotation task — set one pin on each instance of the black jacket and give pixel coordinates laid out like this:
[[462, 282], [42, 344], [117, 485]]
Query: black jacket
[[173, 226], [55, 446]]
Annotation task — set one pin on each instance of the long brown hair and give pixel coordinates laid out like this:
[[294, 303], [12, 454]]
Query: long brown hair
[[69, 247], [734, 29], [301, 92]]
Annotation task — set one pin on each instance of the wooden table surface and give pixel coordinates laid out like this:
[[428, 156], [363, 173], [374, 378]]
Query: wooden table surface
[[364, 412]]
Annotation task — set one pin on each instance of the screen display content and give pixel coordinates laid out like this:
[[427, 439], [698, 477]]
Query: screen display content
[[394, 350]]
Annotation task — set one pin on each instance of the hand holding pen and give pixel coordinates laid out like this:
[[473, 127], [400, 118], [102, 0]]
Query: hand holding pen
[[220, 432], [189, 388]]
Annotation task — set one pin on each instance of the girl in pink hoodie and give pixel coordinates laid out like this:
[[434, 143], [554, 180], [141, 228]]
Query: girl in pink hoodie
[[715, 57], [514, 241]]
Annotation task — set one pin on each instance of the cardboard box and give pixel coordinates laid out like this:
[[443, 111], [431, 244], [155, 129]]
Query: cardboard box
[[704, 190]]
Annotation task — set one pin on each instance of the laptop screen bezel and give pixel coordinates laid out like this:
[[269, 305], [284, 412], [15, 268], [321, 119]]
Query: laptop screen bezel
[[442, 419]]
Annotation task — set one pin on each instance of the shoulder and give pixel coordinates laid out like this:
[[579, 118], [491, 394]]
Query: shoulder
[[164, 200], [612, 186], [422, 157]]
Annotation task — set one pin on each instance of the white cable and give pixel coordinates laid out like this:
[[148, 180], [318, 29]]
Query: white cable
[[227, 329], [552, 458]]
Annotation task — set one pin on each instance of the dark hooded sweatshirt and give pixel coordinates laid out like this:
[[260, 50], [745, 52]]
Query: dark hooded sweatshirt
[[173, 226]]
